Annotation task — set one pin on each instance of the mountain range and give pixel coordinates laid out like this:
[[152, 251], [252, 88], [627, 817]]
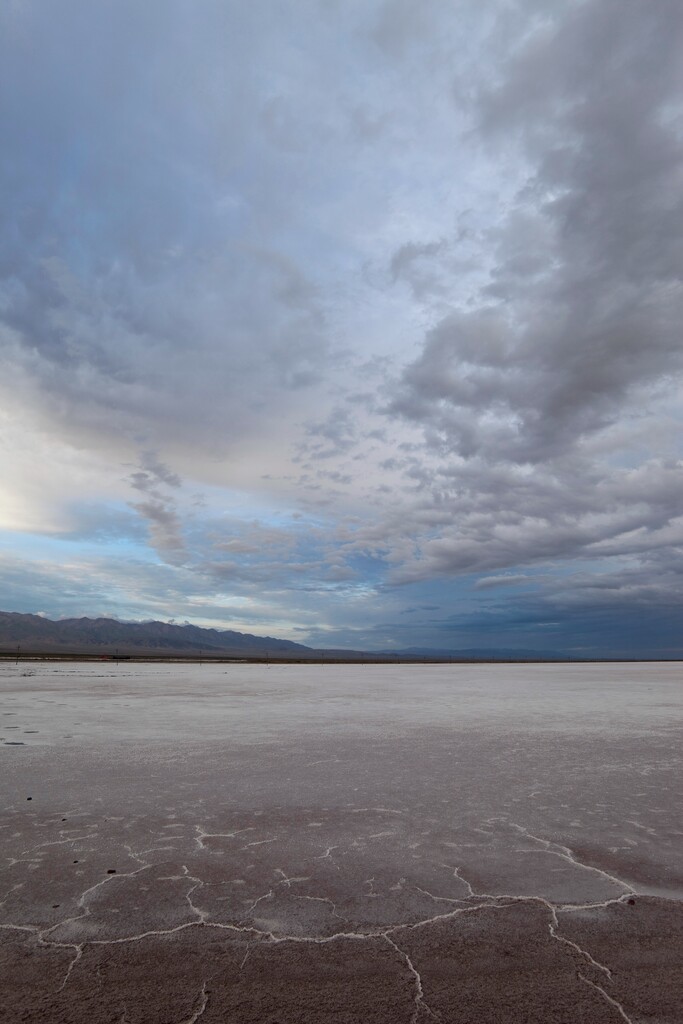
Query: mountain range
[[34, 634], [103, 635]]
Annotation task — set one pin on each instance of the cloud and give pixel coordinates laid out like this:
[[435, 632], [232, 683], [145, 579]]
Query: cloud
[[158, 508], [412, 262], [508, 580], [410, 273], [152, 473], [575, 336], [144, 298], [164, 526]]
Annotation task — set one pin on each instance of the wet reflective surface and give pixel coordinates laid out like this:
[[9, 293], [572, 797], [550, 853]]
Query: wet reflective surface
[[341, 843]]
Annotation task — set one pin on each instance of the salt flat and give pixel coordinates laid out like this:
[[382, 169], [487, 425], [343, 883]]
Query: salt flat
[[287, 843]]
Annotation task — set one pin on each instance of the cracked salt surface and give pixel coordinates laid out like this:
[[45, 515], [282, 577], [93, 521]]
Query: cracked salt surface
[[461, 843]]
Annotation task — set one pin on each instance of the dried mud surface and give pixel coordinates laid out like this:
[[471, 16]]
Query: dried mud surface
[[350, 844]]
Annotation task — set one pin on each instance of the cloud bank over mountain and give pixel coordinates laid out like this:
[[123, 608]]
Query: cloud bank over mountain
[[358, 323]]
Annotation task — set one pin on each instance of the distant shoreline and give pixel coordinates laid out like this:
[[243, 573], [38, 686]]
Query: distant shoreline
[[366, 658]]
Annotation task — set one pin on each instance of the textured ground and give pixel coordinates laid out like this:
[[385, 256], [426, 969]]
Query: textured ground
[[347, 844]]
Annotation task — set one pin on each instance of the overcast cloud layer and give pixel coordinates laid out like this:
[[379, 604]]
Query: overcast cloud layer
[[353, 322]]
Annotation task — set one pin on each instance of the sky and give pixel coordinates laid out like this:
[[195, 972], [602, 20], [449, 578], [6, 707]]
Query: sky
[[354, 322]]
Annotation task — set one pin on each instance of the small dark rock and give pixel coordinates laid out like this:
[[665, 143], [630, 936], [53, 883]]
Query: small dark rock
[[111, 871]]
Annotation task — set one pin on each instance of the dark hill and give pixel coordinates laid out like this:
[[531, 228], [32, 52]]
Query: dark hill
[[35, 633]]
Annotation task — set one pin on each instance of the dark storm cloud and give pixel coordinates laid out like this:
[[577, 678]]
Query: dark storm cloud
[[584, 306], [618, 618], [578, 328], [508, 519]]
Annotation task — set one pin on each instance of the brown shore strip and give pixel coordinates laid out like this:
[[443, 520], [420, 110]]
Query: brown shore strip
[[317, 658]]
